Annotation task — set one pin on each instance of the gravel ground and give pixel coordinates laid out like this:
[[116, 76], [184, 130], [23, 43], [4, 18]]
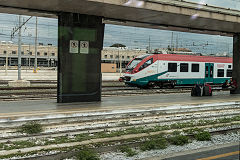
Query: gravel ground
[[216, 139]]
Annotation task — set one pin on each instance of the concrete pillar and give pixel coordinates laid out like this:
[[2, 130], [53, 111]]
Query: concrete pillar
[[80, 41], [236, 62]]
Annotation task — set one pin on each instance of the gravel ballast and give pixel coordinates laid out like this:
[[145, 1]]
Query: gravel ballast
[[215, 140]]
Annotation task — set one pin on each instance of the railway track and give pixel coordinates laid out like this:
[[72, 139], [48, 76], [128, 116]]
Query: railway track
[[89, 124], [5, 82], [106, 127], [109, 129], [112, 148], [50, 92], [54, 82]]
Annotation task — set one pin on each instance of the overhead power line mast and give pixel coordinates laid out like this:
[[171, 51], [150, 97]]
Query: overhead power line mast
[[19, 42]]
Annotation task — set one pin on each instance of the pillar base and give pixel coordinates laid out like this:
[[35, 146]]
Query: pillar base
[[19, 83]]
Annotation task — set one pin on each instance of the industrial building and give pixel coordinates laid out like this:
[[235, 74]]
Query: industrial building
[[47, 56]]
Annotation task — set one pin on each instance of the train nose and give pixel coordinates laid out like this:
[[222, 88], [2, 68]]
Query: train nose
[[126, 79], [121, 79]]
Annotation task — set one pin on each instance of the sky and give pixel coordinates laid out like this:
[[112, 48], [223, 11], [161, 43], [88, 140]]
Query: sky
[[233, 4], [132, 37]]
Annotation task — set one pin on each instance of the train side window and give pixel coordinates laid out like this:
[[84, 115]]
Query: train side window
[[195, 67], [146, 64], [220, 72], [229, 73], [183, 67], [172, 67]]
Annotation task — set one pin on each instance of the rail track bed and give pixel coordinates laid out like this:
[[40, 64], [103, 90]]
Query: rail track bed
[[108, 131], [62, 133], [49, 91]]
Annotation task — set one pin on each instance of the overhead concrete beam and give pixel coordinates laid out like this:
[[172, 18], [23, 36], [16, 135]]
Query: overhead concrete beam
[[173, 14]]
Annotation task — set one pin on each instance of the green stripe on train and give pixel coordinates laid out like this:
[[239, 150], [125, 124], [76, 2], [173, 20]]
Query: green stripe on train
[[153, 78]]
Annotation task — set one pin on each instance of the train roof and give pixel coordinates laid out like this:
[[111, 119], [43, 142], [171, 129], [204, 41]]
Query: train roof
[[193, 58]]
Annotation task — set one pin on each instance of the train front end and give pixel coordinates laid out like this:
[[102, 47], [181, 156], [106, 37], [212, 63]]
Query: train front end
[[132, 73]]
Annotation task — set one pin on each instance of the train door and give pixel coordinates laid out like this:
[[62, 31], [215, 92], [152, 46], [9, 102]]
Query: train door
[[209, 67]]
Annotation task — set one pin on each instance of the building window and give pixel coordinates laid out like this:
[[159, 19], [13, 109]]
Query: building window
[[30, 53], [14, 52], [4, 52], [122, 57], [195, 67], [229, 66], [172, 67], [128, 57], [38, 53], [105, 56], [22, 53], [45, 53], [184, 67], [53, 54], [229, 73], [117, 56], [220, 73], [111, 56]]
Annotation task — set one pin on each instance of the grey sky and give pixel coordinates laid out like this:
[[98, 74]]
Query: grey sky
[[233, 4]]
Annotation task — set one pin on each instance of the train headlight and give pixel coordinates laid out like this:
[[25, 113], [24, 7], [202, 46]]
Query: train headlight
[[134, 80]]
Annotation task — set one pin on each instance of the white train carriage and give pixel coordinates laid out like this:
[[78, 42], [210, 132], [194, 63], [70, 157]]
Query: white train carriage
[[160, 69]]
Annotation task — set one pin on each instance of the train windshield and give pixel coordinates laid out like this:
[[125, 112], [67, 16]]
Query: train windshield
[[134, 63]]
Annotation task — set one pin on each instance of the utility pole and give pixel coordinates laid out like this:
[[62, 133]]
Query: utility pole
[[119, 60], [149, 45], [172, 42], [6, 64], [35, 64], [29, 57], [177, 42], [19, 42], [120, 71], [228, 54], [19, 47]]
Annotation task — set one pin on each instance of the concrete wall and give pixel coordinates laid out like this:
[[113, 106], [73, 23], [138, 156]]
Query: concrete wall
[[115, 54], [108, 68], [107, 54]]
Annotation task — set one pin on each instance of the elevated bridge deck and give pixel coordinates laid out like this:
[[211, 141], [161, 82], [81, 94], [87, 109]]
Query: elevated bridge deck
[[162, 14]]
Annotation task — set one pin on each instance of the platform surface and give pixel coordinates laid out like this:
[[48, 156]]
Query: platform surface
[[36, 107]]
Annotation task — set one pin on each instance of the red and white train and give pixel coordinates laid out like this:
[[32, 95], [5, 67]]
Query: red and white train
[[159, 69]]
